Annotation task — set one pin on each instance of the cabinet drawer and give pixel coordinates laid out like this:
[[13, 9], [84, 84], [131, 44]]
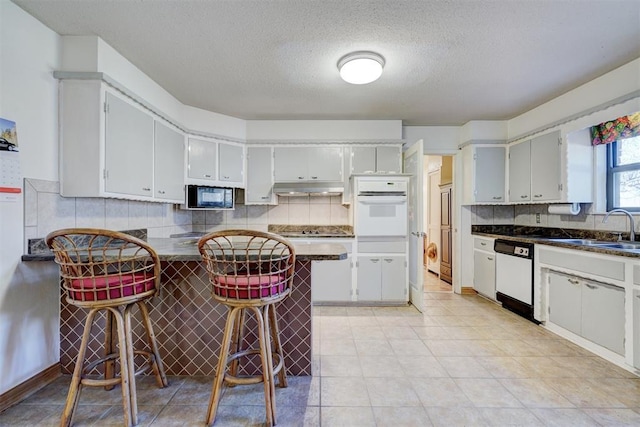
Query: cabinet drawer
[[483, 243], [599, 266], [382, 247], [636, 274]]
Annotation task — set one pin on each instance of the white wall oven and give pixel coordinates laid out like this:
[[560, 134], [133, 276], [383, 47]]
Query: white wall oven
[[381, 206]]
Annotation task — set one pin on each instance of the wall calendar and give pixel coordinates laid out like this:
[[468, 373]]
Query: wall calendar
[[10, 176]]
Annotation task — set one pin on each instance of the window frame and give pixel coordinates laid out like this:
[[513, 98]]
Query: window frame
[[612, 169]]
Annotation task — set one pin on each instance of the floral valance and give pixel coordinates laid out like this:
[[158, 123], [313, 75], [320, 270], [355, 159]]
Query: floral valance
[[620, 128]]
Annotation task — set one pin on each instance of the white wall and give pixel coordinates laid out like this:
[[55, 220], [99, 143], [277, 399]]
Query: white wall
[[324, 130], [29, 296], [436, 139]]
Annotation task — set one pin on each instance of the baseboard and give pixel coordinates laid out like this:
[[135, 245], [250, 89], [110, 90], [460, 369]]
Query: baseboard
[[30, 386], [467, 291]]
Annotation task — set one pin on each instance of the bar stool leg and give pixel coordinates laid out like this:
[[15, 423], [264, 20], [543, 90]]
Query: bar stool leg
[[275, 333], [264, 357], [76, 379], [222, 366], [126, 361], [236, 342], [267, 335], [156, 362], [109, 365]]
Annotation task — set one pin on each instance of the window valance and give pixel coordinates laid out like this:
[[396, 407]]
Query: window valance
[[620, 128]]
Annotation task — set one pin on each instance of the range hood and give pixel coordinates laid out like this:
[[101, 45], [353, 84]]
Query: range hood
[[326, 188]]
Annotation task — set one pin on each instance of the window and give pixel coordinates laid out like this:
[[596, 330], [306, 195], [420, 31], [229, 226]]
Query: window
[[623, 174]]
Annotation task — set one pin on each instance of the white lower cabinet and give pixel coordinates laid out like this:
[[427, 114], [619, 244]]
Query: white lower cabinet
[[484, 267], [590, 309], [636, 328], [382, 278], [331, 280]]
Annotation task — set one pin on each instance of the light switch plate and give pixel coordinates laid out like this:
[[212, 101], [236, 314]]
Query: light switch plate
[[537, 218]]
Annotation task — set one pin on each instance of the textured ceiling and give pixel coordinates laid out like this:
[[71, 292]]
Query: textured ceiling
[[447, 61]]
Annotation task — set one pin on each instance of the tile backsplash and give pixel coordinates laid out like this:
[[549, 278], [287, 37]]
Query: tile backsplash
[[45, 210], [527, 214]]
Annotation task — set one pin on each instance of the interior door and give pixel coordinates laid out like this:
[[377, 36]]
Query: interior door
[[414, 165], [433, 226]]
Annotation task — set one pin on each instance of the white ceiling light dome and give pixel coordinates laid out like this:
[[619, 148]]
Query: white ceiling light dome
[[361, 67]]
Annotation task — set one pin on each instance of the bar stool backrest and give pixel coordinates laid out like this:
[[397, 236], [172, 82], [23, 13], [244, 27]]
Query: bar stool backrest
[[245, 265], [104, 267]]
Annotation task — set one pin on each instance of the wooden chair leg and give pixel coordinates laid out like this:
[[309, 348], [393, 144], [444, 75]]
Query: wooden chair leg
[[216, 390], [76, 379], [109, 365], [156, 362], [275, 333]]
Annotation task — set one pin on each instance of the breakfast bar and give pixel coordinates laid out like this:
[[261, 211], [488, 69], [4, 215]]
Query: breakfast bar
[[189, 324]]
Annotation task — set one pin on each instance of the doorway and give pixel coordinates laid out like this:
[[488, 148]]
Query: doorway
[[437, 198]]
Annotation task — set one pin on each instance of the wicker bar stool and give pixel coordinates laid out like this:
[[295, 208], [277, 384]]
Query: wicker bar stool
[[249, 271], [110, 271]]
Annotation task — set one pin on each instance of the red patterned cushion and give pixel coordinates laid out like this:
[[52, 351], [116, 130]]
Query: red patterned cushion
[[249, 287], [118, 286]]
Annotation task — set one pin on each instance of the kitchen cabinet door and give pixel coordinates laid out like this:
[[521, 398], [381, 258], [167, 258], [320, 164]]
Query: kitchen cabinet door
[[324, 163], [128, 148], [565, 301], [603, 315], [369, 278], [203, 159], [290, 164], [636, 328], [545, 167], [331, 280], [388, 159], [168, 170], [484, 273], [520, 172], [259, 189], [393, 278], [489, 174], [363, 160], [231, 164]]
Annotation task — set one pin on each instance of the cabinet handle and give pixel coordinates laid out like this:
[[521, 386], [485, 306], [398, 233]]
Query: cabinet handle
[[524, 196], [591, 286], [265, 197], [490, 258], [225, 177], [160, 192], [537, 196], [374, 259], [497, 197], [573, 281], [146, 189], [301, 177], [388, 260], [483, 243], [314, 177], [207, 176]]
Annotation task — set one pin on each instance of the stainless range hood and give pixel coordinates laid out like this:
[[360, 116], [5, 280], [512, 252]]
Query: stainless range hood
[[321, 188]]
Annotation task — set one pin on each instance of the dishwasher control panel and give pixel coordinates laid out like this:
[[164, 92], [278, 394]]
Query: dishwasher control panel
[[519, 250], [513, 248]]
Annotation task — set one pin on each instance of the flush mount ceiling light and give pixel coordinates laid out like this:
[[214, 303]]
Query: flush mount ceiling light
[[360, 68]]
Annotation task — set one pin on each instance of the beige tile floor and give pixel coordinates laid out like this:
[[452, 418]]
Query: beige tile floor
[[464, 362], [432, 282]]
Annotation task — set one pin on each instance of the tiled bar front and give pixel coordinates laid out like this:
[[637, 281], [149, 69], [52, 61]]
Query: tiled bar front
[[189, 324]]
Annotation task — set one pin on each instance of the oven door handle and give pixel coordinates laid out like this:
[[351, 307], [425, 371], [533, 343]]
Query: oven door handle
[[382, 200]]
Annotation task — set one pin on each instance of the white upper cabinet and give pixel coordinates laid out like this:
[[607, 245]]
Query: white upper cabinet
[[376, 159], [203, 159], [259, 189], [545, 167], [520, 172], [128, 148], [295, 164], [110, 146], [548, 169], [168, 168], [484, 174], [214, 162], [231, 164]]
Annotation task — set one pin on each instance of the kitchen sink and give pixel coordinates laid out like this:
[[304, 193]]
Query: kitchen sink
[[586, 242], [620, 245]]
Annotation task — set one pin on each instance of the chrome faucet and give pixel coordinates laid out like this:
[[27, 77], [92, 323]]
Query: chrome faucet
[[632, 232]]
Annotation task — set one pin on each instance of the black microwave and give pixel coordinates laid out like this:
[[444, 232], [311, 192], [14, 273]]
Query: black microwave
[[205, 197]]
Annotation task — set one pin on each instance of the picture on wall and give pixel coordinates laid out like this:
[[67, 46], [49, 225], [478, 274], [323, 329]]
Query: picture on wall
[[10, 176]]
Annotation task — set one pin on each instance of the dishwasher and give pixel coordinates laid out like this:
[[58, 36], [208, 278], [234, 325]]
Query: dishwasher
[[514, 276]]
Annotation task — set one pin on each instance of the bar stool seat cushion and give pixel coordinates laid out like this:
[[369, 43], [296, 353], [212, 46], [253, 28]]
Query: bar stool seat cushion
[[119, 286], [249, 287]]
